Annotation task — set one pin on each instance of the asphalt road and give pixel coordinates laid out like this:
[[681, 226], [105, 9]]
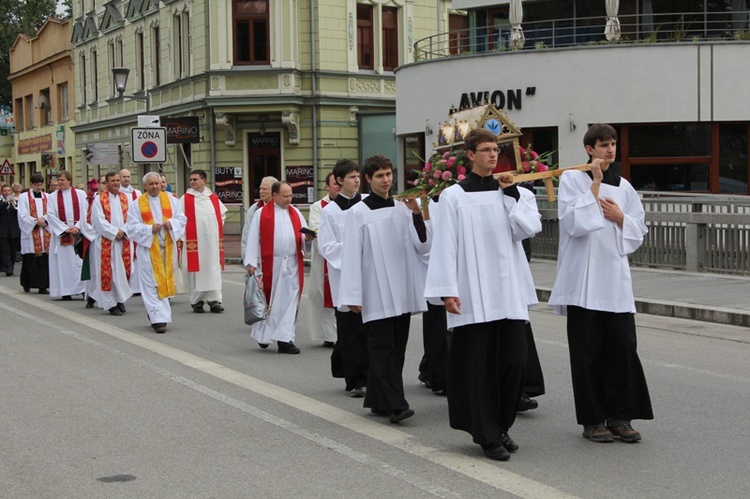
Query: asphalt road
[[100, 406]]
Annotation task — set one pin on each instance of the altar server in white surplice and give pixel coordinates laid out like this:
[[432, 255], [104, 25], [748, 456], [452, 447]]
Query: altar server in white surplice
[[35, 238], [67, 208], [319, 303], [276, 245], [478, 268], [383, 279], [156, 223], [203, 252], [111, 249], [127, 187]]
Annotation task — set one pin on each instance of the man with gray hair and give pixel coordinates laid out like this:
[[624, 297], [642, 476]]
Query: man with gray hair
[[265, 198], [156, 223]]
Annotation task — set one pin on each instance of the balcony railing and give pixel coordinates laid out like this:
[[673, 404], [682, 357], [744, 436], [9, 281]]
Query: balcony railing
[[558, 33]]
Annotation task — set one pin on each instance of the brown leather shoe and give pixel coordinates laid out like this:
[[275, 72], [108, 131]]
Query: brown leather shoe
[[598, 433], [625, 433]]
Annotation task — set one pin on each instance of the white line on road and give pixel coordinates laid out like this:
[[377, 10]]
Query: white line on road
[[477, 469]]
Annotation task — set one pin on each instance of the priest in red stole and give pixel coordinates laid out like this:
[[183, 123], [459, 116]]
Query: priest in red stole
[[112, 255], [156, 223], [203, 255], [275, 245], [66, 210]]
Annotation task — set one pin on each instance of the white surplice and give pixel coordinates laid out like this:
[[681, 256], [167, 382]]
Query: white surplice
[[330, 244], [285, 291], [380, 269], [64, 264], [28, 224], [120, 291], [204, 285], [476, 254], [322, 323], [135, 285], [158, 310], [592, 263]]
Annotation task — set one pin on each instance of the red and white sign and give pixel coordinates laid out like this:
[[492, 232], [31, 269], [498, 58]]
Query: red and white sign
[[7, 168], [148, 145]]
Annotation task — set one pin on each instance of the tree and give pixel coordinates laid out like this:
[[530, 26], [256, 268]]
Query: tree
[[19, 17]]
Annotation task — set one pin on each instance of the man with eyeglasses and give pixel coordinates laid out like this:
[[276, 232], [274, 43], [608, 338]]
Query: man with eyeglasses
[[203, 253], [478, 268]]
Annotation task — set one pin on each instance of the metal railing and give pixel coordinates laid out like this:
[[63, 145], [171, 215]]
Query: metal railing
[[697, 234], [558, 33]]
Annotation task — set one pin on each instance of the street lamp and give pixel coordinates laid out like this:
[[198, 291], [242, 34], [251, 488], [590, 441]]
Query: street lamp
[[121, 82]]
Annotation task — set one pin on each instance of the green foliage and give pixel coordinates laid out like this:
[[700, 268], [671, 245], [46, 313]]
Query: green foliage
[[19, 17]]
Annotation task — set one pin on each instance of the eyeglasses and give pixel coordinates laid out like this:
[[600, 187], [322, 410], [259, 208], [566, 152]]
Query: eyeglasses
[[194, 179], [487, 150]]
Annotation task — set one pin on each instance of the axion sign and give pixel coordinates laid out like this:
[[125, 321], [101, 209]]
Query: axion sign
[[148, 145]]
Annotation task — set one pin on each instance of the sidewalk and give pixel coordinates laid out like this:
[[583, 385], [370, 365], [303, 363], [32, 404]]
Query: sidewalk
[[698, 296]]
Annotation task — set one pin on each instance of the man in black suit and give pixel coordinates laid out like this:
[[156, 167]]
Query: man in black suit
[[10, 233]]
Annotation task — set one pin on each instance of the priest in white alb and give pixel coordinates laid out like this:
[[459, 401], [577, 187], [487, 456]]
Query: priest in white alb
[[276, 245], [111, 249], [66, 212], [156, 223], [203, 253]]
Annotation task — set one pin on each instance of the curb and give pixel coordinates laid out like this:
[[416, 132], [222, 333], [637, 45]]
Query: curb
[[679, 310]]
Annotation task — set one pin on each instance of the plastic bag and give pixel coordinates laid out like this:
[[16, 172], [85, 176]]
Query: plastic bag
[[256, 308]]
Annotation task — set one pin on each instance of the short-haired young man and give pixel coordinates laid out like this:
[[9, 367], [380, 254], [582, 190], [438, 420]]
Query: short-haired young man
[[602, 221], [35, 237], [478, 268], [349, 356], [382, 278]]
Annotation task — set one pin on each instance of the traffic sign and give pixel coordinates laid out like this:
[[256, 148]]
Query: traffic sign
[[148, 145], [7, 168]]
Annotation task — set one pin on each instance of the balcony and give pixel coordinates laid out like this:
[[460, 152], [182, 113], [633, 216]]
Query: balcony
[[684, 27]]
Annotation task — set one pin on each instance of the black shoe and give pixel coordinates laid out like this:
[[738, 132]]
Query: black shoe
[[508, 443], [43, 291], [115, 311], [159, 327], [26, 289], [122, 308], [263, 345], [9, 274], [90, 302], [496, 451], [527, 404], [198, 307], [397, 416], [216, 309], [67, 298], [378, 412], [328, 344], [287, 347]]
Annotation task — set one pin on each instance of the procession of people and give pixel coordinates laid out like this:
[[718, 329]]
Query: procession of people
[[376, 262]]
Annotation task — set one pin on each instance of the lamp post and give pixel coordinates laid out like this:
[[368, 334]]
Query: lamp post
[[121, 82]]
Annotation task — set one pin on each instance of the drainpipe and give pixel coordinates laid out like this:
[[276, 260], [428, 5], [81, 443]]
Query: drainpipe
[[437, 14], [314, 67]]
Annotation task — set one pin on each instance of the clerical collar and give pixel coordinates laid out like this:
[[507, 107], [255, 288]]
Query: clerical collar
[[476, 183], [345, 203], [610, 177], [375, 202], [37, 194]]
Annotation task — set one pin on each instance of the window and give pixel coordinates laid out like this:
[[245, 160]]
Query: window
[[45, 111], [29, 108], [458, 34], [140, 62], [84, 80], [390, 38], [63, 102], [181, 33], [156, 56], [18, 114], [365, 52], [94, 77], [251, 37]]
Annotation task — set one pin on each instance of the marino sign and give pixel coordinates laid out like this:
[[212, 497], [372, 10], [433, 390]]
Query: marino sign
[[183, 130], [502, 99]]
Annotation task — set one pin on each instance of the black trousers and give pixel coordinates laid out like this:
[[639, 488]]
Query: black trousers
[[534, 385], [434, 365], [386, 345], [608, 379], [487, 365], [8, 254], [349, 358], [35, 271]]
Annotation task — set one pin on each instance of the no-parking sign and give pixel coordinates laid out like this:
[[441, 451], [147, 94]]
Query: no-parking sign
[[148, 145]]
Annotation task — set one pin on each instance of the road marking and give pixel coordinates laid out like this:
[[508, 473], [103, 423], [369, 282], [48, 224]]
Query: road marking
[[476, 468]]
